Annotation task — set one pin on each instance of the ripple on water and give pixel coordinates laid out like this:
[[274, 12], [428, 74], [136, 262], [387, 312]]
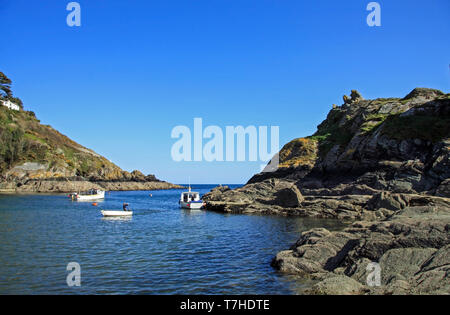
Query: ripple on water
[[161, 250]]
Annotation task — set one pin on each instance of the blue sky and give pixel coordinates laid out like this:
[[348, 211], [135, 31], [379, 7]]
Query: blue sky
[[136, 69]]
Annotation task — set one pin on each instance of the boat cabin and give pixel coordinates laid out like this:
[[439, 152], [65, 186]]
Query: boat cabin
[[190, 196], [92, 191]]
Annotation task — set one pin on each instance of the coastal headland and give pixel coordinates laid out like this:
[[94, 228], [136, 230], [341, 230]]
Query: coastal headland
[[36, 158]]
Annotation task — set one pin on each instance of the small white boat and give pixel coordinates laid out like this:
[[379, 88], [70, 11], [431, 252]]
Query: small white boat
[[191, 200], [116, 213], [93, 194]]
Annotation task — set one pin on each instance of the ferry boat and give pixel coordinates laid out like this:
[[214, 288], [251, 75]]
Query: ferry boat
[[92, 194], [191, 200]]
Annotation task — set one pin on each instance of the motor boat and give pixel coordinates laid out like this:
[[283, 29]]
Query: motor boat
[[92, 194], [191, 200]]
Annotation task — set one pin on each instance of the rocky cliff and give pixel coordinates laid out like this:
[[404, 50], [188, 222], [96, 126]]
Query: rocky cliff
[[364, 147], [383, 163], [37, 158]]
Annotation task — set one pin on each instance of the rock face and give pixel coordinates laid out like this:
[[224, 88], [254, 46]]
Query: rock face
[[412, 248], [384, 163], [37, 158], [363, 148]]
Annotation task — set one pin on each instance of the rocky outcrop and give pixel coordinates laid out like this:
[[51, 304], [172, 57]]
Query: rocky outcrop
[[384, 163], [289, 197], [412, 249], [269, 197], [363, 148], [355, 96]]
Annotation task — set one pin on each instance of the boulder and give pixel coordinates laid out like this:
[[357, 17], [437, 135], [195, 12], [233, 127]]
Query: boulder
[[443, 189], [337, 285], [289, 197], [386, 200]]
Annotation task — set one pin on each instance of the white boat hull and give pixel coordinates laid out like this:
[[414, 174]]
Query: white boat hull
[[191, 205], [116, 213], [100, 195]]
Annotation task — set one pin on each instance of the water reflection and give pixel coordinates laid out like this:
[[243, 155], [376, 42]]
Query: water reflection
[[127, 218]]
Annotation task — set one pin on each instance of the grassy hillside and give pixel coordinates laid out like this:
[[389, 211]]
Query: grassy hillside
[[24, 139], [423, 115], [29, 149]]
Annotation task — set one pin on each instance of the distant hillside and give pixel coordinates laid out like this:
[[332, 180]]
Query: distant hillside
[[36, 157]]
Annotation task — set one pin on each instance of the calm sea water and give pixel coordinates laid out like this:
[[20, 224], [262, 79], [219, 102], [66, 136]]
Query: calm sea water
[[161, 250]]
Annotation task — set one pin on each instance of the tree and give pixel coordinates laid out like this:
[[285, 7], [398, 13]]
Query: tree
[[6, 92], [5, 85]]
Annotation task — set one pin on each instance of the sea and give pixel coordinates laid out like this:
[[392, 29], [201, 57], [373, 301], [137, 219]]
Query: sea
[[50, 244]]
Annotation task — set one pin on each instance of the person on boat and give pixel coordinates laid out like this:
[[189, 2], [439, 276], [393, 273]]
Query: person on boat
[[125, 206]]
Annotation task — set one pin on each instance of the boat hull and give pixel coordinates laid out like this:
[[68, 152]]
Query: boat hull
[[191, 205], [116, 213], [98, 196]]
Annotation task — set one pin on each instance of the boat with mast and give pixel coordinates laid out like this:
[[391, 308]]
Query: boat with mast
[[191, 199]]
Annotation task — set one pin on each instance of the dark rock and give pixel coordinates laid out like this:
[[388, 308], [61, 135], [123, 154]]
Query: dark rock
[[386, 200], [407, 247], [443, 189], [356, 96], [289, 197]]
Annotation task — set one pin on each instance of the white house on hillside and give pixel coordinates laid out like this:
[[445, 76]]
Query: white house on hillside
[[10, 105]]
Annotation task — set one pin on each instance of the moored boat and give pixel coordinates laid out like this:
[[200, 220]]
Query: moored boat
[[191, 200], [116, 213], [92, 194]]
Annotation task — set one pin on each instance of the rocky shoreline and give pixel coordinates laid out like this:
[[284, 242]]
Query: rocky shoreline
[[382, 165], [412, 248], [31, 177], [408, 235], [59, 186]]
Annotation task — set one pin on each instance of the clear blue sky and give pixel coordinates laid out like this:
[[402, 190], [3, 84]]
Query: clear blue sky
[[135, 69]]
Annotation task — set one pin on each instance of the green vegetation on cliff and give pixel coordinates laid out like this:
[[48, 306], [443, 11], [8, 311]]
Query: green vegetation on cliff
[[423, 127], [15, 143], [23, 139], [331, 132], [423, 115]]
